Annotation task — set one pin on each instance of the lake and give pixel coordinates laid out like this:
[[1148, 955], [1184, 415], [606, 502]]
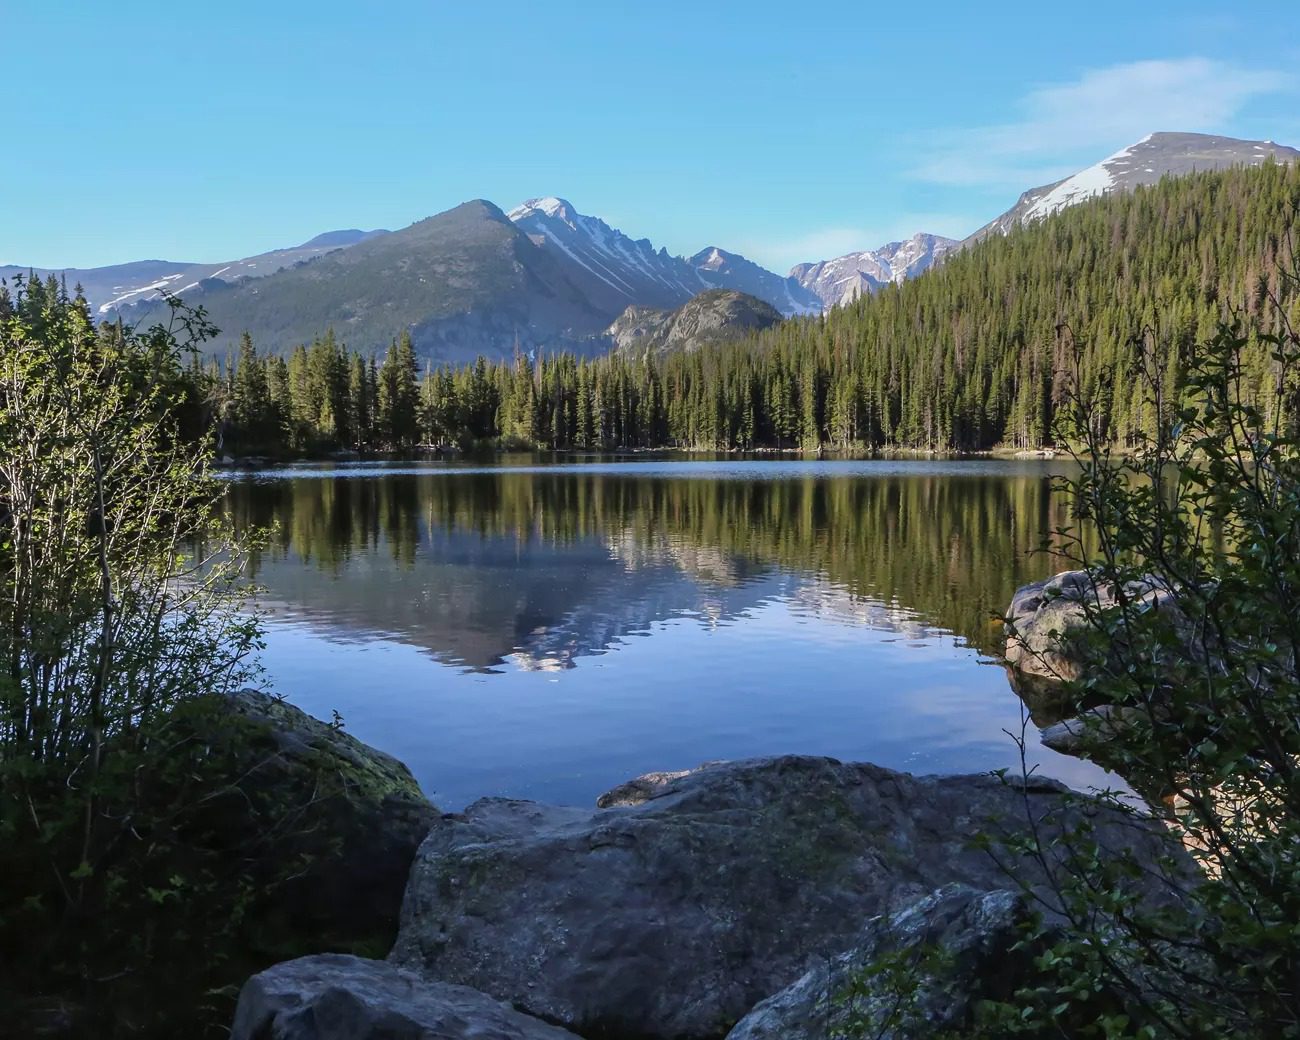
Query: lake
[[548, 630]]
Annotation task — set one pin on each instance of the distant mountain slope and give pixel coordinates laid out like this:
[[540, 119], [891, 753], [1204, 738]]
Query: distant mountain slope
[[140, 279], [722, 270], [617, 271], [710, 317], [473, 281], [337, 239], [463, 282], [124, 285], [1146, 162], [845, 278]]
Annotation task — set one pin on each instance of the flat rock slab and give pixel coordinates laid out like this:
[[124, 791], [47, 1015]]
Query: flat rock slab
[[692, 897], [338, 997]]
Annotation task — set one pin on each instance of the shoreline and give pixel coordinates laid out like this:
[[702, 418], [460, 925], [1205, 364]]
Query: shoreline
[[486, 453]]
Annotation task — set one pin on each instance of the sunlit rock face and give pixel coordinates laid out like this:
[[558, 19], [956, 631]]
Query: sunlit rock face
[[845, 278], [710, 317]]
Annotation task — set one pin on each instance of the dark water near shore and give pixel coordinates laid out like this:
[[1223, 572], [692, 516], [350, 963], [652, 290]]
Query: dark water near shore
[[546, 631]]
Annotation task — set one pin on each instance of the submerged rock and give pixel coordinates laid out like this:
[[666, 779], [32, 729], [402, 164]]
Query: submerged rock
[[956, 946], [693, 897], [338, 997]]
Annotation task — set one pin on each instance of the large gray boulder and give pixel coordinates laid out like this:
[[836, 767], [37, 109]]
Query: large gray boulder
[[955, 946], [1052, 642], [339, 997], [690, 898], [1046, 648], [333, 823]]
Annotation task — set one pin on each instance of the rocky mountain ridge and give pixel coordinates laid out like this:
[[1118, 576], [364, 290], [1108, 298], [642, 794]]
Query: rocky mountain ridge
[[476, 280], [845, 278], [627, 272], [707, 317]]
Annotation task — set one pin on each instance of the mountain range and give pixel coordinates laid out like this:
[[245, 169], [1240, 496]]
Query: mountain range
[[845, 278], [118, 286], [477, 280]]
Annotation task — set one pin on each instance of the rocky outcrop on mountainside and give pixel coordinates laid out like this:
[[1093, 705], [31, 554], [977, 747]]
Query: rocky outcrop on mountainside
[[709, 317]]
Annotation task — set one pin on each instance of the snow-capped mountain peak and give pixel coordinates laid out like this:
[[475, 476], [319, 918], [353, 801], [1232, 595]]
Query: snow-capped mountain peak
[[710, 259], [1095, 180], [1143, 163], [616, 270], [550, 206], [845, 278]]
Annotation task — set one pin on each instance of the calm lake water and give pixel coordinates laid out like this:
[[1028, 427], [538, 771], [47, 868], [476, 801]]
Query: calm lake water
[[547, 631]]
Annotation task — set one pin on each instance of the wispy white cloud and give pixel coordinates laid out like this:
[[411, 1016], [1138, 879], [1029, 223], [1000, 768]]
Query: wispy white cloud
[[1102, 110], [1055, 130]]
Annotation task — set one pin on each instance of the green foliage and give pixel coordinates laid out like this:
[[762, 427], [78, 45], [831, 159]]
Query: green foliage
[[1191, 692], [975, 354], [106, 624], [1196, 701], [397, 418], [139, 868], [883, 998]]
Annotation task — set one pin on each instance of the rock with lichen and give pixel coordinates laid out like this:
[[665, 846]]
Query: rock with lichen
[[693, 896]]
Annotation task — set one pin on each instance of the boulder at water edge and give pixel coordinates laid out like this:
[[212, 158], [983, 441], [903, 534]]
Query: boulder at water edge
[[338, 997], [309, 801], [955, 944], [691, 898]]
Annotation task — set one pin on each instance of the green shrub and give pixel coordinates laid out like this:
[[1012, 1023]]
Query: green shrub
[[124, 909]]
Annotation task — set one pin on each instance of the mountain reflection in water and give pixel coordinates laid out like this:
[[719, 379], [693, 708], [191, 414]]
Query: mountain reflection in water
[[506, 573]]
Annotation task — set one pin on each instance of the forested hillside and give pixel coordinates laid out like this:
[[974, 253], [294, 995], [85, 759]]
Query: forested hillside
[[978, 352]]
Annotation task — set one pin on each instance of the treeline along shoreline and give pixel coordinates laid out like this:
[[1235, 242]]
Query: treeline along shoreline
[[980, 353]]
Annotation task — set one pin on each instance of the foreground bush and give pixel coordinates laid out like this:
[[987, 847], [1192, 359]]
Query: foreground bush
[[1196, 704], [143, 859]]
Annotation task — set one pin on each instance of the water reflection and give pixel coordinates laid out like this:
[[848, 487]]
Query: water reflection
[[692, 612], [481, 566]]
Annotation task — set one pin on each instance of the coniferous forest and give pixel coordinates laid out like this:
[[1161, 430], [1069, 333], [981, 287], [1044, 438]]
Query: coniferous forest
[[979, 353]]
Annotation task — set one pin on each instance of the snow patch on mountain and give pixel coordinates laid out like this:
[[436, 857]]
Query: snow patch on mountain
[[125, 294], [1143, 163], [845, 278], [631, 271], [1095, 180]]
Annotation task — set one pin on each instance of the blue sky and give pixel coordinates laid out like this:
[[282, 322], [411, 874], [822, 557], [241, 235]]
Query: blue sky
[[785, 131]]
